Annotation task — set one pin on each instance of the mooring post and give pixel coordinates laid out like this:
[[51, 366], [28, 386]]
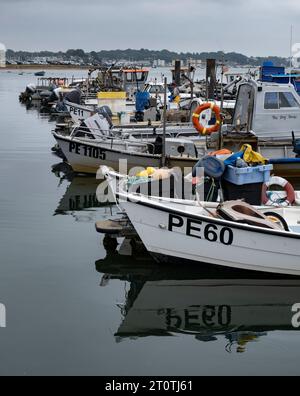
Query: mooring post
[[177, 76], [211, 79]]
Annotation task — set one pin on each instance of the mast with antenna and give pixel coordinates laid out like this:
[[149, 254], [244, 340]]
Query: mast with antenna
[[291, 54]]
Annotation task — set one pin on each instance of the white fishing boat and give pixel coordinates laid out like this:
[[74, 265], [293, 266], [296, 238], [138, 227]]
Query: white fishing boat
[[96, 144], [271, 111], [87, 156], [232, 234]]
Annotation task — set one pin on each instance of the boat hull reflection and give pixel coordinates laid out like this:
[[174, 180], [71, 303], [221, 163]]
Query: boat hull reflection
[[84, 197], [165, 301]]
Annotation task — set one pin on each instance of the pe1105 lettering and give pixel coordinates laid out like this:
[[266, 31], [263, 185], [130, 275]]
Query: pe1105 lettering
[[87, 151]]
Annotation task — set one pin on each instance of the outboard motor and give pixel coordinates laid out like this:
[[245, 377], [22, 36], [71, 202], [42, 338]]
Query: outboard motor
[[30, 89], [74, 96], [106, 112], [27, 95], [50, 97], [97, 125], [47, 97]]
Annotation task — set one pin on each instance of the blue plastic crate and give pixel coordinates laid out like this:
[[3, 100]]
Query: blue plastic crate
[[249, 175], [267, 72]]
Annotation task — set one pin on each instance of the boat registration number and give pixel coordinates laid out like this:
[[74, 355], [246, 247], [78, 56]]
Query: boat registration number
[[87, 151], [77, 112], [200, 230], [196, 317]]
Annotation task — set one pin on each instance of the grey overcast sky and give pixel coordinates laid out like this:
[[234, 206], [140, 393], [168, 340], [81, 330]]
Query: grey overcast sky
[[253, 27]]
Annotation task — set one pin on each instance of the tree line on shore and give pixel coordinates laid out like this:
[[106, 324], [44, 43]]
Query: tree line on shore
[[147, 55]]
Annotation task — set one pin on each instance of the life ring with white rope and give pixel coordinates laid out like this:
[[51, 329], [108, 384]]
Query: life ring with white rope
[[289, 189]]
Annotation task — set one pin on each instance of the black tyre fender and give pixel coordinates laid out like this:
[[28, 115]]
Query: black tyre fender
[[280, 218]]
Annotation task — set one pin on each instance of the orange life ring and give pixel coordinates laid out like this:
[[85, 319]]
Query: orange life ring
[[289, 189], [196, 118]]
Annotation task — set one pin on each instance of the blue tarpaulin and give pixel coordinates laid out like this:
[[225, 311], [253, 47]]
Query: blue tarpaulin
[[232, 160], [142, 101]]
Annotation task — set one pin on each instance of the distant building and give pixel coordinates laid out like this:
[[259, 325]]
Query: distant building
[[159, 63], [2, 55], [194, 63]]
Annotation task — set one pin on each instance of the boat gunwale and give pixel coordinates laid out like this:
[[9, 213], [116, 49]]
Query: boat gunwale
[[244, 227], [129, 153]]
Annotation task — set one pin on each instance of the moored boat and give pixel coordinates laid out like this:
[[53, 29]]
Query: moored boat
[[179, 230], [86, 155], [96, 143]]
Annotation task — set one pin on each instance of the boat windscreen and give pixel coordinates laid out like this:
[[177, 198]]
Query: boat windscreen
[[244, 107]]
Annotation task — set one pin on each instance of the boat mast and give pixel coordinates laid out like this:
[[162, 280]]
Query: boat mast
[[165, 121], [222, 102], [291, 54]]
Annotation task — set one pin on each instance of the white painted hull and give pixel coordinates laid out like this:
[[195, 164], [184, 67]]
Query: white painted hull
[[79, 113], [236, 246], [85, 157]]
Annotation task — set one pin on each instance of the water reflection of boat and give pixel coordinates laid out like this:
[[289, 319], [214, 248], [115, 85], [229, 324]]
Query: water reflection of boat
[[82, 195], [164, 301]]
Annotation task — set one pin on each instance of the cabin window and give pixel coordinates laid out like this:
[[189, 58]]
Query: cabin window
[[139, 76], [287, 100], [129, 77], [272, 101], [157, 89], [280, 100]]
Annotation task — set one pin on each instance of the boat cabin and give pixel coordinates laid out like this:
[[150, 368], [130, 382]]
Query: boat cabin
[[270, 110], [120, 79], [154, 88], [134, 80]]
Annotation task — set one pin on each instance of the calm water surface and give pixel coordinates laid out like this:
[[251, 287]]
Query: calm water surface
[[77, 308]]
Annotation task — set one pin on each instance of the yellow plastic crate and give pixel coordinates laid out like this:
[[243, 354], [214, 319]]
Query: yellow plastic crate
[[111, 95]]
